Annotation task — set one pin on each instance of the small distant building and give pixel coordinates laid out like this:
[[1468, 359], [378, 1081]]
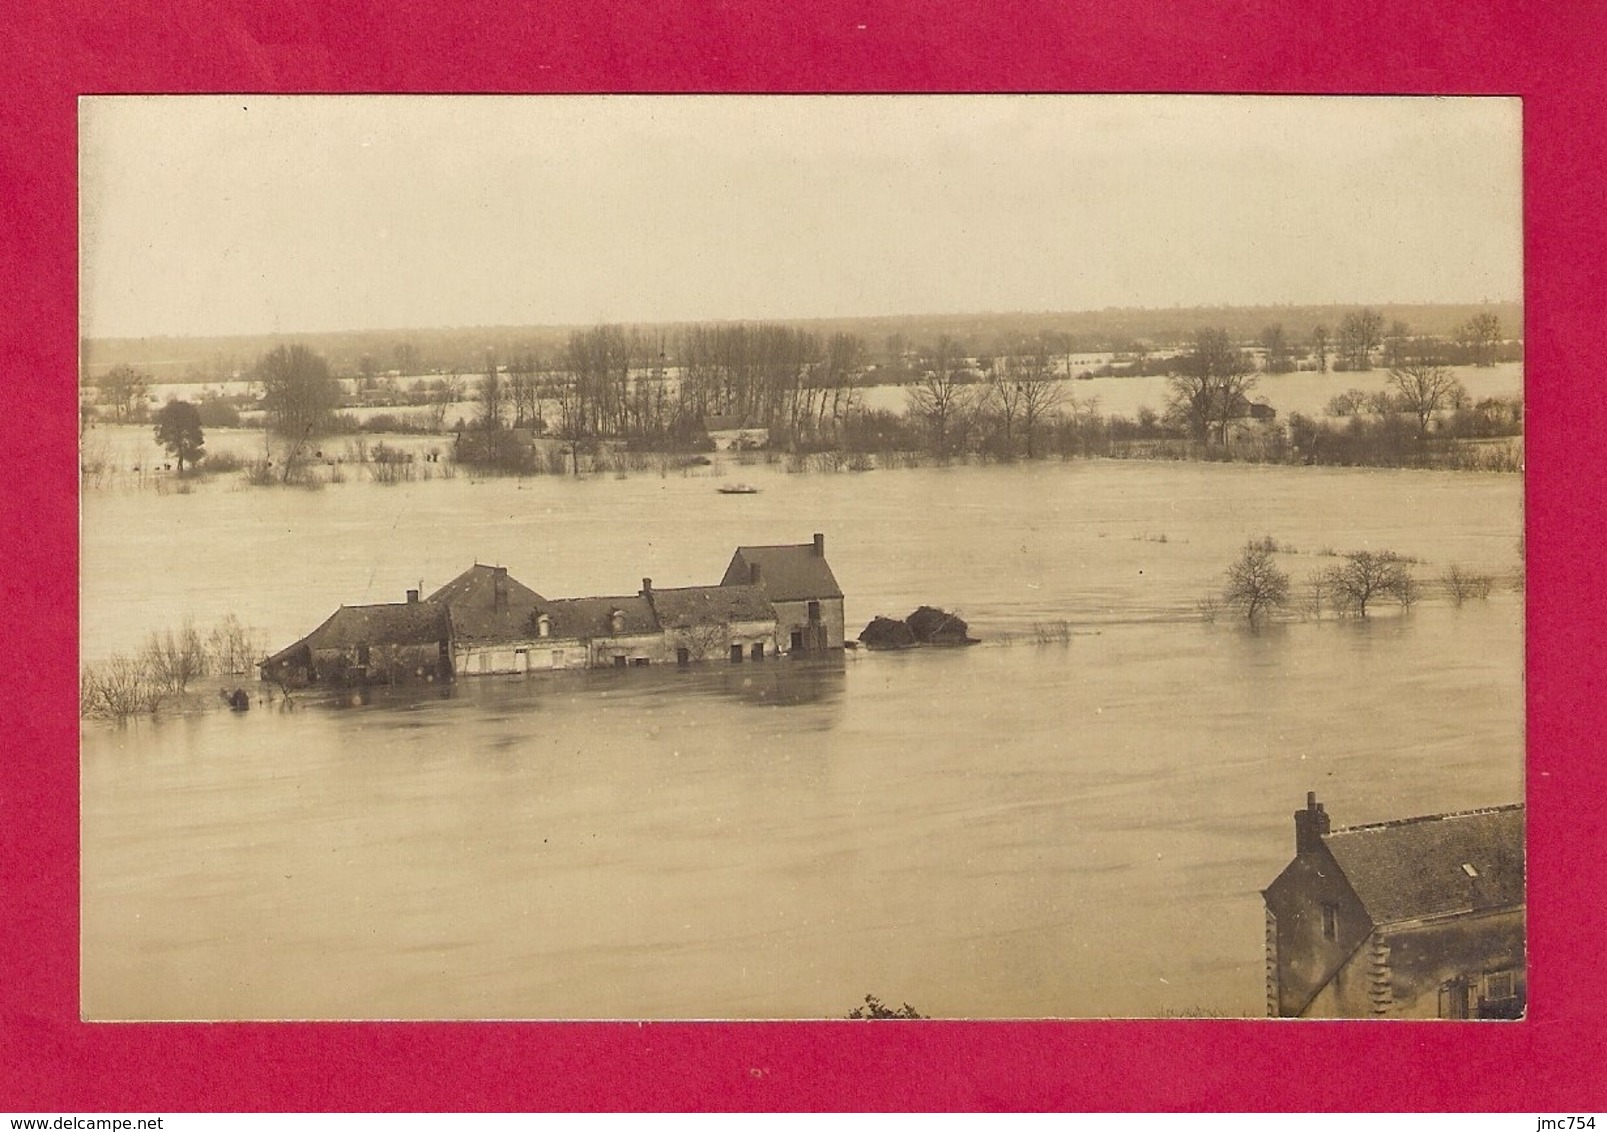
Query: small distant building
[[1417, 918], [733, 433], [800, 584], [495, 447]]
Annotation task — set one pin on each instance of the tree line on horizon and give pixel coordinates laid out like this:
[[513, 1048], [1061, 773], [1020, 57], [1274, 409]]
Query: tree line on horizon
[[441, 351], [615, 384]]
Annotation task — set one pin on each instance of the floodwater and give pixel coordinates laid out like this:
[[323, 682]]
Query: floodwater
[[1019, 829]]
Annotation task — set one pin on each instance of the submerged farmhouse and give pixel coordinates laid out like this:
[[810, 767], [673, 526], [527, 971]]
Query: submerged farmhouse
[[1417, 918], [774, 601]]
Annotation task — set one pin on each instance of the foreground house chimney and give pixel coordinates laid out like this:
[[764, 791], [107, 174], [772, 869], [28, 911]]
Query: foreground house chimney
[[1311, 825], [647, 588], [499, 588], [753, 573], [412, 597], [820, 545]]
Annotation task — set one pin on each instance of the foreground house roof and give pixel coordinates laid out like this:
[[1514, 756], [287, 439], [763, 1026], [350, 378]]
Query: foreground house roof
[[1445, 864]]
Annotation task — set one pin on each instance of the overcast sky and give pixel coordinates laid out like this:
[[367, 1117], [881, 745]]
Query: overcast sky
[[215, 215]]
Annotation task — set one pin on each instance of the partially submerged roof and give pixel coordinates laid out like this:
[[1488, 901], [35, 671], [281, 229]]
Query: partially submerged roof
[[1434, 866], [476, 588], [473, 623], [477, 611], [711, 605], [397, 623], [788, 573], [581, 617]]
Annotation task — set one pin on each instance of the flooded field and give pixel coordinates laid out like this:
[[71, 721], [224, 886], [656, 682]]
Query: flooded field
[[1013, 830], [1305, 392]]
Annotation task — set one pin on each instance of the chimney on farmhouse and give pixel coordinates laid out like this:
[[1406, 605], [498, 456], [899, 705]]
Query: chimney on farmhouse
[[647, 588], [820, 545], [753, 573], [412, 597], [499, 588], [1311, 825]]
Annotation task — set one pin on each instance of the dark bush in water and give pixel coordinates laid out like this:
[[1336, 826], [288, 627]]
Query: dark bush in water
[[928, 625], [933, 626], [885, 633]]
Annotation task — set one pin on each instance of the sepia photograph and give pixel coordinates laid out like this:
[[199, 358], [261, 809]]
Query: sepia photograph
[[736, 557]]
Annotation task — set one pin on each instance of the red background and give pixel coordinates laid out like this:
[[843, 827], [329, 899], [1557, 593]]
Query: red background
[[1550, 53]]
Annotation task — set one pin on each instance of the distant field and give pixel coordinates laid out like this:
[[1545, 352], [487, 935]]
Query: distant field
[[1307, 393]]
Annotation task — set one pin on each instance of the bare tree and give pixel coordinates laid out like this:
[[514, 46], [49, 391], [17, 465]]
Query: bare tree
[[1212, 386], [493, 396], [703, 639], [300, 396], [1320, 346], [1039, 391], [940, 396], [1276, 343], [1002, 401], [1366, 576], [444, 393], [298, 392], [1480, 336], [1360, 333], [842, 373], [1423, 390], [175, 659], [123, 389], [1256, 586], [406, 358]]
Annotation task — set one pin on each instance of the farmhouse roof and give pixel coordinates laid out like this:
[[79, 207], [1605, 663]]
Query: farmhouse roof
[[1433, 866], [788, 573], [397, 623], [582, 617], [476, 588], [711, 605]]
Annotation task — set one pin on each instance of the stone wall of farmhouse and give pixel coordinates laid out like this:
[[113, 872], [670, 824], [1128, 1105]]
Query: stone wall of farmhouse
[[541, 653], [794, 615], [386, 664]]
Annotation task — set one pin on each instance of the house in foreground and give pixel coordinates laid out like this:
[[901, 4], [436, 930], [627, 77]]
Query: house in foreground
[[775, 601], [1417, 918]]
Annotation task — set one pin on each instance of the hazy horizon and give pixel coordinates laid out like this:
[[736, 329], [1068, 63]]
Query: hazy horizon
[[214, 216], [503, 327]]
